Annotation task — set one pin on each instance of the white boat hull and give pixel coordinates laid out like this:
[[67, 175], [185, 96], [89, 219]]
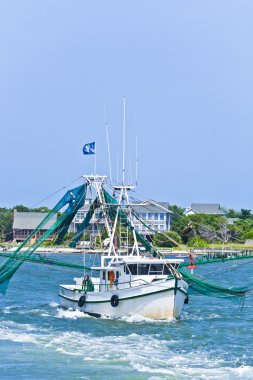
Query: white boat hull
[[159, 300]]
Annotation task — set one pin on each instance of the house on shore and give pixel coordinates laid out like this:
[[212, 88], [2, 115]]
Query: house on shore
[[205, 208], [25, 222], [154, 215]]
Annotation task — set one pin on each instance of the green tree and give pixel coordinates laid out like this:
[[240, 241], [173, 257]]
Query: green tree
[[231, 213], [197, 242], [41, 209], [179, 221], [6, 222], [21, 208], [245, 214], [163, 240]]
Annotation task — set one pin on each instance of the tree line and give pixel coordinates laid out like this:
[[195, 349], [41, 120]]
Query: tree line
[[200, 230], [196, 230]]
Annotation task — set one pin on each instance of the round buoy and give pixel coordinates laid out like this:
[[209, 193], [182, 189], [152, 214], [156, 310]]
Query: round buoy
[[114, 300], [81, 301]]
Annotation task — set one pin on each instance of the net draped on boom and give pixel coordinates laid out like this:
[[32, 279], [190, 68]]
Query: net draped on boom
[[75, 199]]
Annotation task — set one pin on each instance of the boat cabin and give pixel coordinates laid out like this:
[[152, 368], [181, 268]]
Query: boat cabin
[[130, 271]]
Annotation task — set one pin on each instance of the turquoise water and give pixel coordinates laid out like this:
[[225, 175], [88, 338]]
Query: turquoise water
[[39, 340]]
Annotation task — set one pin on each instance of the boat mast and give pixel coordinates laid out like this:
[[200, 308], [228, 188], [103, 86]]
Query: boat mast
[[123, 200], [124, 141], [97, 182]]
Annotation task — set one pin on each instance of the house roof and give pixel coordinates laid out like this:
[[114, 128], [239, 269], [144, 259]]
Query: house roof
[[152, 206], [207, 208], [30, 220], [146, 206]]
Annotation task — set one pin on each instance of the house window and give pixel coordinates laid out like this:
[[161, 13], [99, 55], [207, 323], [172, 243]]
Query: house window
[[150, 216], [144, 215], [162, 216], [143, 228], [137, 227], [162, 227], [156, 226], [156, 216], [150, 226]]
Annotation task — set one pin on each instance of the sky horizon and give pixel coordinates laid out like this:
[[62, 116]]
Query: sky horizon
[[185, 69]]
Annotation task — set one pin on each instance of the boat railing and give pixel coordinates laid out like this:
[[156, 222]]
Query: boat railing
[[123, 285]]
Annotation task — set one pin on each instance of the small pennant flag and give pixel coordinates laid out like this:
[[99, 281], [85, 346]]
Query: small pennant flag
[[89, 148]]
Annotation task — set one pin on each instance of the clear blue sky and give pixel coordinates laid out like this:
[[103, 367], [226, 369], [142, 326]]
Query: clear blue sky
[[185, 67]]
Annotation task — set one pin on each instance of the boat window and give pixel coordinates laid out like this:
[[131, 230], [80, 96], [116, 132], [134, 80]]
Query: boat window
[[117, 275], [143, 269], [156, 269], [132, 268], [103, 274], [166, 269]]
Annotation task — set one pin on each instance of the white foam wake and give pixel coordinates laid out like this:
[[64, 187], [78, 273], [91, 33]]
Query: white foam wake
[[151, 354]]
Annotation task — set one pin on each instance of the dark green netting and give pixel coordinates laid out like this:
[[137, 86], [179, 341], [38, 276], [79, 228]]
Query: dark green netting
[[209, 288], [85, 223], [75, 199], [39, 259]]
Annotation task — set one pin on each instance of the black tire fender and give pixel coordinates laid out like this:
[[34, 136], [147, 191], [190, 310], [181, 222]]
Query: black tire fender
[[114, 300], [81, 301]]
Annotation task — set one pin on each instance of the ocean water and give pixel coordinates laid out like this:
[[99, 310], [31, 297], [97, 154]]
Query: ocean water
[[40, 340]]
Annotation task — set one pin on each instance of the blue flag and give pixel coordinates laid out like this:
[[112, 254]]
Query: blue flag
[[89, 148]]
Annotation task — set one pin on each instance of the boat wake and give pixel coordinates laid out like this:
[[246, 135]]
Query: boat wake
[[153, 355], [135, 318]]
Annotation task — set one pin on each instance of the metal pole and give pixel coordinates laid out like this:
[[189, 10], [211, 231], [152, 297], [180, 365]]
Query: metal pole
[[95, 160], [136, 159], [108, 145], [124, 140]]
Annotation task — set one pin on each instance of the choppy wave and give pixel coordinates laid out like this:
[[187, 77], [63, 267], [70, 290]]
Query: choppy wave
[[144, 353]]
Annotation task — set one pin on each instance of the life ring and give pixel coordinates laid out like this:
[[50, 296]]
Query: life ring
[[81, 301], [114, 300]]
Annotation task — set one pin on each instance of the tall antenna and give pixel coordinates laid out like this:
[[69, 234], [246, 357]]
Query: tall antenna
[[136, 158], [124, 141], [130, 170], [108, 145], [117, 168]]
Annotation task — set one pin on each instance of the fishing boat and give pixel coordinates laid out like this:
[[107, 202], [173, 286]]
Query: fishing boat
[[129, 281]]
